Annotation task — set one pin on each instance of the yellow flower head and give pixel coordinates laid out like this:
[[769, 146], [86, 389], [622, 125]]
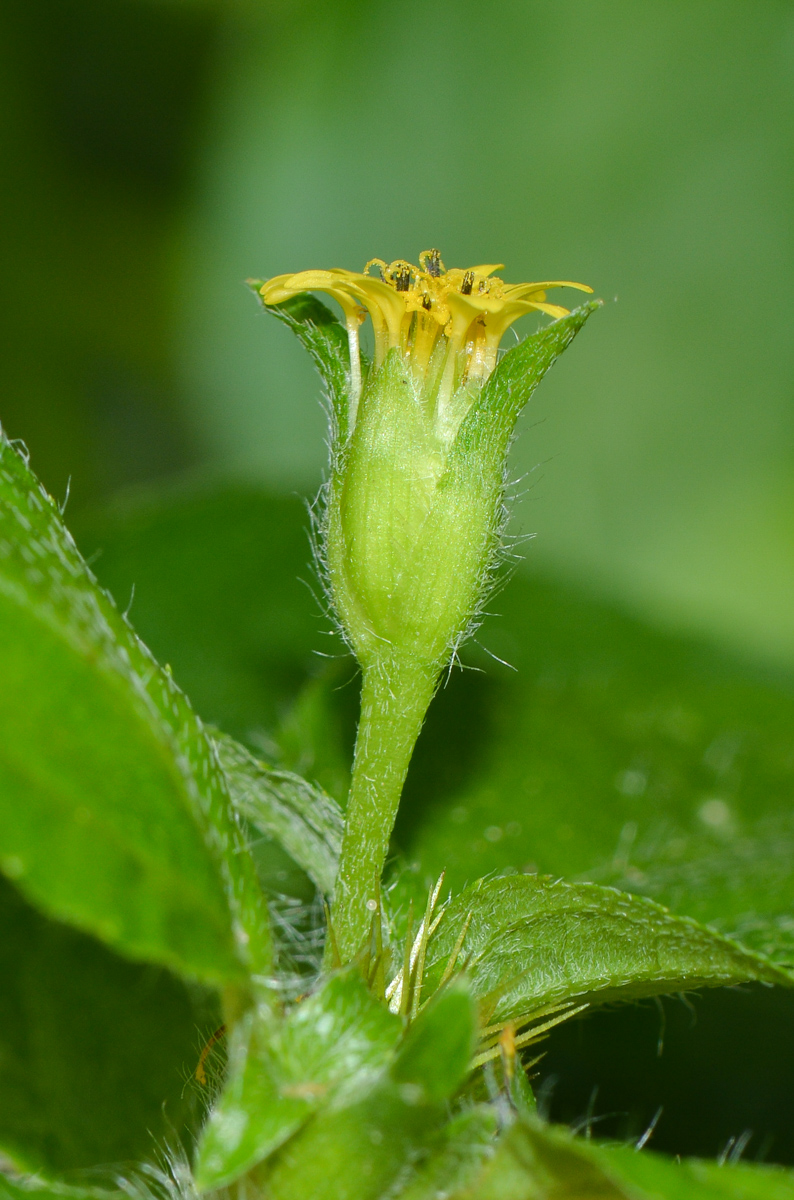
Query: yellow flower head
[[450, 320], [413, 505]]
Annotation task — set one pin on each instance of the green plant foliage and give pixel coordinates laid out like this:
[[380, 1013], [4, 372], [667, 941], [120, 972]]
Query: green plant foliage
[[296, 814], [537, 1162], [435, 1055], [531, 942], [113, 814], [514, 380], [457, 1156], [95, 1051], [613, 753], [326, 1052], [15, 1191], [599, 757], [363, 1150]]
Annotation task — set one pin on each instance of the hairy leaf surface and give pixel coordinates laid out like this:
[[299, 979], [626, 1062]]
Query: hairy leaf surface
[[531, 942], [113, 813]]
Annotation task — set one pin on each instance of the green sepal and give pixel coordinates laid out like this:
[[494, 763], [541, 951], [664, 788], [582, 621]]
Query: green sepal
[[325, 338], [533, 942], [476, 462], [492, 418]]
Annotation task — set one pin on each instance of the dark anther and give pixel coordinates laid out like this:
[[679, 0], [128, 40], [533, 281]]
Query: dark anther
[[467, 283], [402, 279], [434, 263], [426, 302]]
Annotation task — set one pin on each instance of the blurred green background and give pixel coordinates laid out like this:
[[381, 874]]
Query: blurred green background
[[155, 154]]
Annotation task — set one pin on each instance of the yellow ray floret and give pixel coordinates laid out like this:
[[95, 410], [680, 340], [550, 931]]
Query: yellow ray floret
[[416, 309]]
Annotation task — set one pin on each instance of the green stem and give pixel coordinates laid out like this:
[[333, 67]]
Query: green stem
[[394, 700]]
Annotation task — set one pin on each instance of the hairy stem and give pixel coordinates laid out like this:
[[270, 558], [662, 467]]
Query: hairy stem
[[394, 700]]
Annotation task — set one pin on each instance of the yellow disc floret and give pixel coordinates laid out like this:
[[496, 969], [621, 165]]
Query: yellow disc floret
[[426, 311]]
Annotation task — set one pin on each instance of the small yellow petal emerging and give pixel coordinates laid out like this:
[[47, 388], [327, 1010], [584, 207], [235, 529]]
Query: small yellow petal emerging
[[419, 308], [447, 324]]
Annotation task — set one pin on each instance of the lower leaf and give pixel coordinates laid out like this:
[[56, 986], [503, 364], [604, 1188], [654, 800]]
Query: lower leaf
[[539, 1162], [529, 942]]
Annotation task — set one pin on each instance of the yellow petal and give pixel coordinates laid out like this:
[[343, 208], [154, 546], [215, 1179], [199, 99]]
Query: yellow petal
[[514, 290], [553, 310]]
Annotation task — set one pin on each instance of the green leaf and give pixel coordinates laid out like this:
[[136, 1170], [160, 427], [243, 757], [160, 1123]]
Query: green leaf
[[364, 1149], [297, 814], [33, 1189], [531, 942], [539, 1162], [11, 1190], [354, 1153], [456, 1158], [95, 1050], [326, 340], [651, 1175], [328, 1050], [598, 757], [435, 1055], [113, 814], [613, 753]]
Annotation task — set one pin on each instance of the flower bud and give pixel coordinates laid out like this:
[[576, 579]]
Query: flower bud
[[414, 505]]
